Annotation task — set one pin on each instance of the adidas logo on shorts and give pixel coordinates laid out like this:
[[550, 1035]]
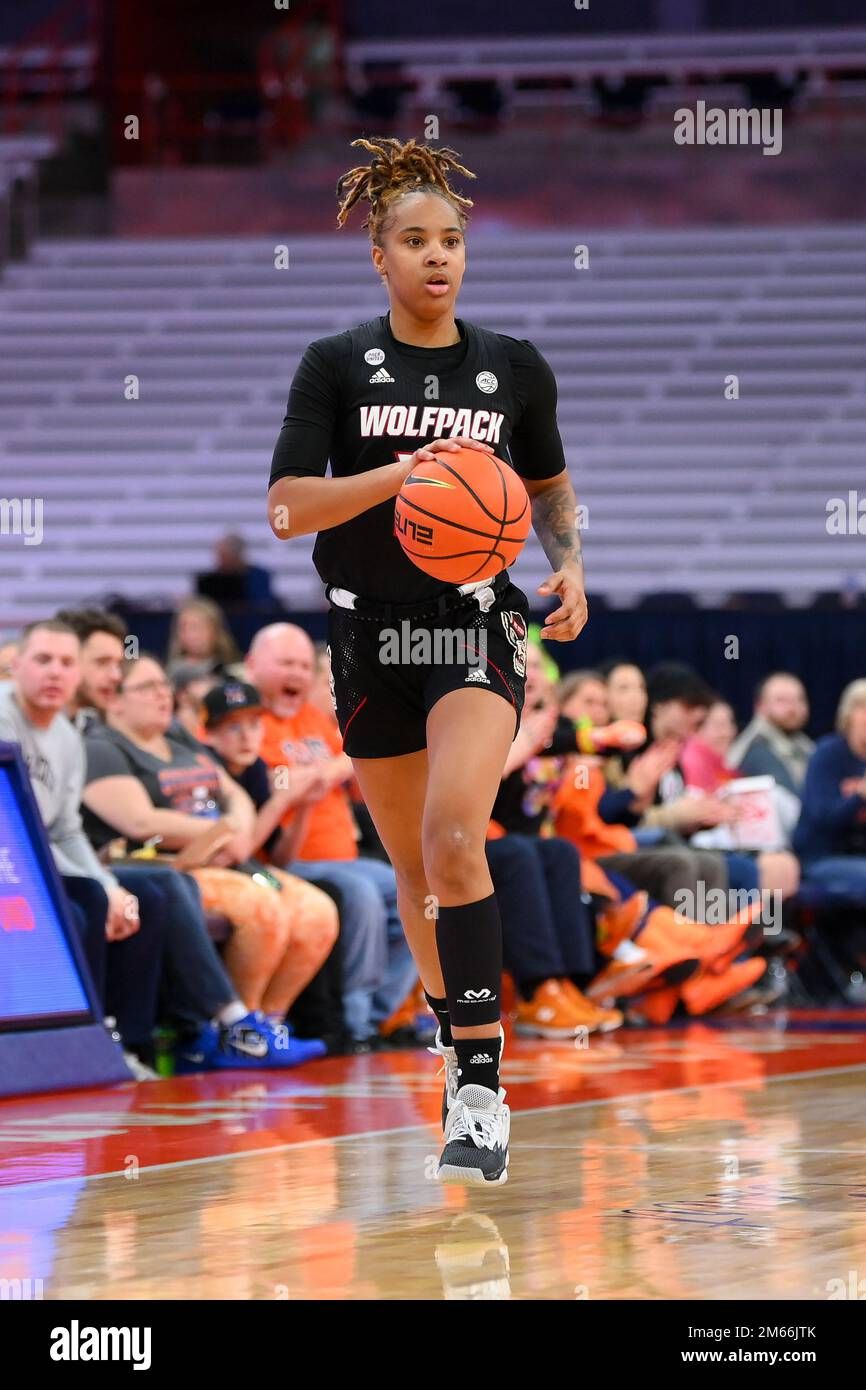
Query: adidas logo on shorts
[[477, 677], [378, 378]]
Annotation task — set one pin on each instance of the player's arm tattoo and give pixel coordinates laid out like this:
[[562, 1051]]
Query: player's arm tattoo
[[554, 517]]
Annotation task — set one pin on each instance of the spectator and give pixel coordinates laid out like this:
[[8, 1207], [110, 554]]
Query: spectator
[[142, 783], [678, 701], [232, 728], [45, 672], [320, 690], [703, 756], [831, 835], [232, 717], [705, 762], [626, 691], [7, 656], [190, 682], [233, 579], [200, 634], [663, 869], [547, 928], [213, 1025], [774, 742], [671, 940], [378, 968], [369, 844]]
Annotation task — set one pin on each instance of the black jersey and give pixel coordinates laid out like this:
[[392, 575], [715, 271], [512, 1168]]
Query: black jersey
[[362, 399]]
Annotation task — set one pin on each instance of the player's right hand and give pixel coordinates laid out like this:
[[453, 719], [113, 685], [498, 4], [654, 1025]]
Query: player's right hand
[[427, 452]]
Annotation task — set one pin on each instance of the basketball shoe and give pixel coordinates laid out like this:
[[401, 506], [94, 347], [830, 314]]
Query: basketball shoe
[[476, 1137]]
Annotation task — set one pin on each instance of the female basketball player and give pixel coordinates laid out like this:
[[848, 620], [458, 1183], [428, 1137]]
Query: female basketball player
[[428, 743]]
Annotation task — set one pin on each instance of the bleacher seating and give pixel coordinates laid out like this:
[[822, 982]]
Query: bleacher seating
[[686, 491], [560, 67]]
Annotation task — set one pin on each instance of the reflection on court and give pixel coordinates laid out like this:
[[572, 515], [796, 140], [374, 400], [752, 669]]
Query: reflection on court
[[695, 1163]]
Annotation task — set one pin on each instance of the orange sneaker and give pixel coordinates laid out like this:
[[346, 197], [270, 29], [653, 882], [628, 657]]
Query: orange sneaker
[[553, 1013], [403, 1016], [707, 991], [674, 960], [619, 922], [699, 940], [608, 1019], [620, 978], [656, 1006]]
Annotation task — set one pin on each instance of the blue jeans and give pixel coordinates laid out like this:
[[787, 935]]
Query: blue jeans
[[126, 973], [378, 969], [743, 872], [547, 932], [843, 874], [195, 983]]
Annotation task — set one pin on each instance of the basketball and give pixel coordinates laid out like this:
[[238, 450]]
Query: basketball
[[463, 516]]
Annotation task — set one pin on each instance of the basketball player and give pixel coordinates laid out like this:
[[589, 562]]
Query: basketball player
[[428, 742]]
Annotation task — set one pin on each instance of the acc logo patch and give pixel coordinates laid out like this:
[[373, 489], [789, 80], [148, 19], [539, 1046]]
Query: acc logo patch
[[486, 382]]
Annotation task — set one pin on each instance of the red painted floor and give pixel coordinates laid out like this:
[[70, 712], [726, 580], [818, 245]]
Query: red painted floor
[[696, 1069]]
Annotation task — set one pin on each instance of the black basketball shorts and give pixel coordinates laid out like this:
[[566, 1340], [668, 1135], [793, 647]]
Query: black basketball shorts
[[388, 672]]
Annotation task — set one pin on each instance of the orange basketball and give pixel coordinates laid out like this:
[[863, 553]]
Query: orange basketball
[[463, 517]]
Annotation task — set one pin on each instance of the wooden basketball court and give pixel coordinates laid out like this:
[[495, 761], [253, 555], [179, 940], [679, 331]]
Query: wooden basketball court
[[698, 1162]]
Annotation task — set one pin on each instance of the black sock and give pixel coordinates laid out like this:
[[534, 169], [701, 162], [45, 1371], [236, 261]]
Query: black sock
[[440, 1009], [469, 942], [478, 1062]]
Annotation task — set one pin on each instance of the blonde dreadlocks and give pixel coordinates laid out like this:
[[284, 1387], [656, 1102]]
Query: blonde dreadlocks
[[398, 167]]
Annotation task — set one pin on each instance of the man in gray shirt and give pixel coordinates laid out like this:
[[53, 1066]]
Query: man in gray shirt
[[45, 671], [45, 675], [774, 742], [214, 1028]]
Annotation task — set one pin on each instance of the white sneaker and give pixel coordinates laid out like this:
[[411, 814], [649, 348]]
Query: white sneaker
[[451, 1069], [139, 1069], [476, 1137], [473, 1259]]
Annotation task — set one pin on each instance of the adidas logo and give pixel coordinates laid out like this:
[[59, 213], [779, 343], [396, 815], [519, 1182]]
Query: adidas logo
[[480, 1057], [477, 677], [378, 378]]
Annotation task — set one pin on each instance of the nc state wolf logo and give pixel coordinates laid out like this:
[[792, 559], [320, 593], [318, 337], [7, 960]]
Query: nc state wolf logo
[[515, 631]]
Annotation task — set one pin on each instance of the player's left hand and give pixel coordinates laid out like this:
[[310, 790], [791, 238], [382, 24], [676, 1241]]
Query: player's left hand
[[565, 622]]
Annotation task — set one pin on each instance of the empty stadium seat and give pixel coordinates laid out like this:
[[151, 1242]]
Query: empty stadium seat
[[687, 492]]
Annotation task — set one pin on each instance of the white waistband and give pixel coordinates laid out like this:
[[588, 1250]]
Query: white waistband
[[344, 598]]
